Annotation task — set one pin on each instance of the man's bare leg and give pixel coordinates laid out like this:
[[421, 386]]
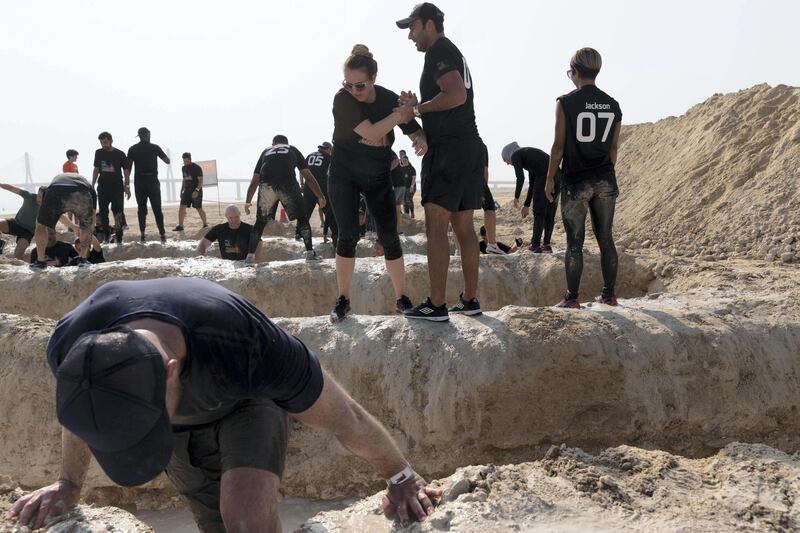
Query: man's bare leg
[[19, 252], [249, 501], [181, 214], [399, 209], [397, 273], [40, 238], [202, 214], [86, 242], [344, 274], [437, 218], [490, 223], [465, 235]]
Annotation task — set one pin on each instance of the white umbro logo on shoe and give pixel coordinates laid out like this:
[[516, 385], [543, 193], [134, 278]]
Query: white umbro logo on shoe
[[426, 310]]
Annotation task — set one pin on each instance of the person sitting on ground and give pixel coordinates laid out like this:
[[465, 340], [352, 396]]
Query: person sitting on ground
[[233, 237], [95, 251], [184, 376], [67, 193], [502, 247], [23, 225], [70, 164], [56, 253], [191, 191]]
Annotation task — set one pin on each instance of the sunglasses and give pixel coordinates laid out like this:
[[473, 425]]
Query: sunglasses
[[360, 86]]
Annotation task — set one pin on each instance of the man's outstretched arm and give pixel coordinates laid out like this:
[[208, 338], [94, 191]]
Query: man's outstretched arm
[[56, 499], [337, 413]]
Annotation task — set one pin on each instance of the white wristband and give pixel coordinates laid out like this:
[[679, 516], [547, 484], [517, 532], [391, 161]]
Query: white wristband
[[402, 476]]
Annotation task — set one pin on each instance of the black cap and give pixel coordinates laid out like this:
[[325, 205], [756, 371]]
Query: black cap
[[325, 146], [426, 11], [111, 393], [142, 131]]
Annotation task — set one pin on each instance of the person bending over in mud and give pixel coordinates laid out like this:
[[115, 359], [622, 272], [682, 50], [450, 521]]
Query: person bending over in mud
[[183, 375]]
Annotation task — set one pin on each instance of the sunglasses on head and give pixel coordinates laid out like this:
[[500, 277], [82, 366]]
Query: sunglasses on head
[[360, 86]]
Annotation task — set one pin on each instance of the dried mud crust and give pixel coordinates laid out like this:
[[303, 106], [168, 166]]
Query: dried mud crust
[[744, 487]]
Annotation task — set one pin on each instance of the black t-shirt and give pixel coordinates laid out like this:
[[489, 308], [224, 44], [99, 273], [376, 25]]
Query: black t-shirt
[[145, 156], [456, 123], [233, 351], [96, 257], [318, 163], [191, 174], [504, 247], [591, 116], [398, 175], [110, 164], [348, 150], [533, 160], [409, 175], [63, 251], [276, 164], [233, 243]]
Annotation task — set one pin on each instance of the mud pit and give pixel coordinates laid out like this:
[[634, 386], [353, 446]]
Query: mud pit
[[298, 288], [664, 373]]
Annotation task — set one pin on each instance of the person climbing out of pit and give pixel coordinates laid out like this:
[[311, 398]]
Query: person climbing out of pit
[[588, 123], [183, 375], [233, 237]]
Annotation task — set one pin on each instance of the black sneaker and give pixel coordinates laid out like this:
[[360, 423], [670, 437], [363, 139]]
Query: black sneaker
[[38, 266], [2, 245], [469, 308], [179, 228], [340, 310], [142, 239], [427, 311], [403, 304], [163, 239]]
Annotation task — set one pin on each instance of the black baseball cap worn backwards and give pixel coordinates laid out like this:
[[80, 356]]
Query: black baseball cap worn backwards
[[111, 393], [425, 10]]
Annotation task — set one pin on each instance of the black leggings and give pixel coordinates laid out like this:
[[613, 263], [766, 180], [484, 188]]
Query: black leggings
[[310, 202], [288, 194], [148, 188], [344, 190], [599, 198], [111, 193], [544, 215]]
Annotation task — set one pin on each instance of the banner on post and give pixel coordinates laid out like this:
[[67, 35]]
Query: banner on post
[[209, 173]]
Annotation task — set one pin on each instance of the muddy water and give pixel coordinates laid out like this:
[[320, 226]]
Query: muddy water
[[293, 512]]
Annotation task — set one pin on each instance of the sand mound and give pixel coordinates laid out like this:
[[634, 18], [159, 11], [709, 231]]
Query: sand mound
[[669, 373], [298, 288], [744, 487], [721, 180]]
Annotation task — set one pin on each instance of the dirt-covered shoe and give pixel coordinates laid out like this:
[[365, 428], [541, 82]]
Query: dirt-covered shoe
[[606, 300], [403, 304], [568, 302], [340, 310]]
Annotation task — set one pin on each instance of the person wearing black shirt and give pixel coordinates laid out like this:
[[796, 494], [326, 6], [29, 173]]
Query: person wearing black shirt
[[191, 191], [274, 178], [184, 376], [588, 122], [56, 253], [410, 177], [23, 225], [67, 193], [233, 237], [364, 120], [318, 163], [107, 177], [144, 155], [536, 162], [452, 170]]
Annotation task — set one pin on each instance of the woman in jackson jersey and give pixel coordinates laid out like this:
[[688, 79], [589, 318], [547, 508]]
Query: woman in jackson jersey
[[587, 134], [364, 118]]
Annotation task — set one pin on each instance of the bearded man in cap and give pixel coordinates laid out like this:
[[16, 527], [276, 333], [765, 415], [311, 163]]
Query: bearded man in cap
[[183, 375]]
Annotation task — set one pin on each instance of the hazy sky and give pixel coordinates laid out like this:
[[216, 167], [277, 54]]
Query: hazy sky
[[219, 79]]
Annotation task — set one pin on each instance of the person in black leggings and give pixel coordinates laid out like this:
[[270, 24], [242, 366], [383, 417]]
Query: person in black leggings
[[364, 121], [587, 135]]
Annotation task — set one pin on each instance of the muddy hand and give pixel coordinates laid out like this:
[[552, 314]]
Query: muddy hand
[[34, 508], [409, 501]]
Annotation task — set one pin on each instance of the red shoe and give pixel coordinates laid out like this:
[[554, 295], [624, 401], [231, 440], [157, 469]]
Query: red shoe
[[606, 301], [535, 249], [568, 303], [547, 249]]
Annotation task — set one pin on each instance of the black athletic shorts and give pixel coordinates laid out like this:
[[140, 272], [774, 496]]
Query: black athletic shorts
[[254, 435], [60, 199], [188, 201], [21, 233], [288, 194], [452, 175], [488, 199]]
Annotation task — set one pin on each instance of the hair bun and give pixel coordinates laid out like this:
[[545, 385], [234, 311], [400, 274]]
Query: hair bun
[[361, 50]]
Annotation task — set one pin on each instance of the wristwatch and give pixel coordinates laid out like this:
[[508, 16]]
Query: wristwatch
[[416, 111], [402, 476]]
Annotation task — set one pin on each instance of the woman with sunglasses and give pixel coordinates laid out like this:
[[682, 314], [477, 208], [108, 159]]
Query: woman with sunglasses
[[365, 115], [587, 135]]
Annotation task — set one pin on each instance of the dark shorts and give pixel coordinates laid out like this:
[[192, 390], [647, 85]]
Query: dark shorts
[[399, 195], [254, 435], [288, 194], [488, 199], [21, 233], [59, 199], [452, 175], [188, 201]]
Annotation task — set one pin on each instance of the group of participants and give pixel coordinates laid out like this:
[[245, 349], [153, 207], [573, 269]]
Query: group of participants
[[182, 376]]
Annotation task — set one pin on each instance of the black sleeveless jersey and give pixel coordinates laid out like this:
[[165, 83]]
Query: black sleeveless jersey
[[591, 117]]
